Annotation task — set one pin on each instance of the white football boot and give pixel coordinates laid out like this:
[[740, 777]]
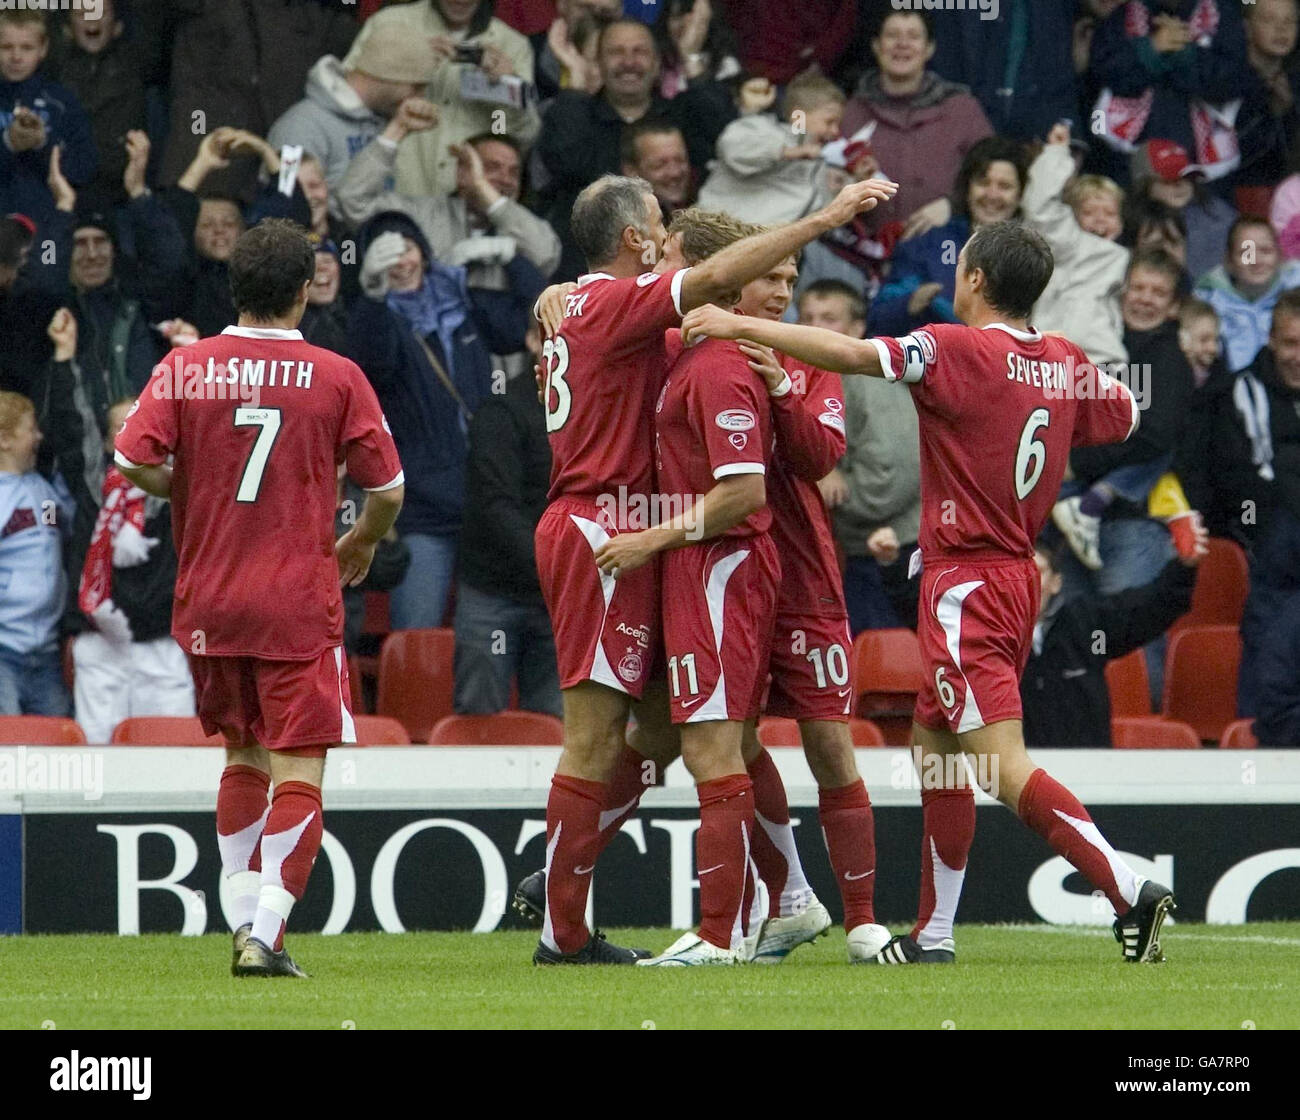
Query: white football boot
[[692, 949], [777, 938]]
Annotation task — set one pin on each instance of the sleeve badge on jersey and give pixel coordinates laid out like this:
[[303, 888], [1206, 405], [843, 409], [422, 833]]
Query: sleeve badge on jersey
[[833, 404], [646, 279], [928, 348], [735, 420], [738, 440], [832, 420]]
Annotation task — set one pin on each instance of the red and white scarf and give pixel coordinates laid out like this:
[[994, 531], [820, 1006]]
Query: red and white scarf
[[1120, 121], [123, 504]]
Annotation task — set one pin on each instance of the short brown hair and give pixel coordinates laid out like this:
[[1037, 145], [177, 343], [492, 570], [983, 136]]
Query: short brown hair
[[831, 288], [1156, 260], [25, 17], [1193, 309], [1288, 305], [270, 264], [13, 407], [705, 232]]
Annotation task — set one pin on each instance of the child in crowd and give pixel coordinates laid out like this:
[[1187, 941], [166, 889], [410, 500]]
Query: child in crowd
[[1198, 336], [1244, 289], [129, 664], [34, 518], [771, 171]]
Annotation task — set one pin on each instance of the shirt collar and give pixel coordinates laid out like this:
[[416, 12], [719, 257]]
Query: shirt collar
[[265, 333], [1023, 336]]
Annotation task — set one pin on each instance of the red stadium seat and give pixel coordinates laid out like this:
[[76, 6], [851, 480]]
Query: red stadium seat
[[1151, 733], [1239, 735], [1222, 581], [1201, 678], [777, 731], [164, 731], [505, 729], [380, 731], [415, 679], [1130, 689], [886, 674], [40, 731]]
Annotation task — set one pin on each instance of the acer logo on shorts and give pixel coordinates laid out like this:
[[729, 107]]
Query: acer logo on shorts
[[640, 633], [735, 420]]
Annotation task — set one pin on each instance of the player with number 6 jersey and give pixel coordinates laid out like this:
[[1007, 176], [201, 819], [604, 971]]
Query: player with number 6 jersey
[[603, 365], [1000, 405]]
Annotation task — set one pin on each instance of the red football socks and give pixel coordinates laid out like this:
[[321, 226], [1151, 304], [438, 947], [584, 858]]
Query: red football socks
[[774, 851], [849, 829], [722, 858], [623, 792], [242, 809], [290, 845], [948, 820], [1055, 814], [573, 841]]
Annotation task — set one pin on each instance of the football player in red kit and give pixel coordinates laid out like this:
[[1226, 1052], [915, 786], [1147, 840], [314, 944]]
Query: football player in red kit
[[244, 433], [713, 438], [604, 365], [1000, 407]]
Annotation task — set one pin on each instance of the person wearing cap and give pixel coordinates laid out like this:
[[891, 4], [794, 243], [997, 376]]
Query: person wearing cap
[[1163, 170], [347, 105], [1245, 288], [482, 78], [425, 340]]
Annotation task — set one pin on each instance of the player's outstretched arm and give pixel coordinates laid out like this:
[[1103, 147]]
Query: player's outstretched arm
[[725, 506], [815, 345], [746, 260], [355, 549]]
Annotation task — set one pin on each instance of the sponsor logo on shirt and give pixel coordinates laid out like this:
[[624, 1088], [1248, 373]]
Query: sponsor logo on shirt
[[832, 420], [833, 404], [646, 279], [640, 633], [738, 440], [735, 420]]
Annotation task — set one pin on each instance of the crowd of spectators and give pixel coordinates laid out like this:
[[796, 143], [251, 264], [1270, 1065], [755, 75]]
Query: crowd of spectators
[[433, 149]]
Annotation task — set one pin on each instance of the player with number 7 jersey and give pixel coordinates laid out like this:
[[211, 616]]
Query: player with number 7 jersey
[[1000, 406]]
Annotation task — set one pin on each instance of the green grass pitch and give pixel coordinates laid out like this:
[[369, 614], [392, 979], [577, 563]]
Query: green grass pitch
[[1010, 976]]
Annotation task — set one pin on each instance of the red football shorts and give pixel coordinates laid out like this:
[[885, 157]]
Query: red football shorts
[[810, 668], [606, 629], [282, 705], [976, 627], [719, 610]]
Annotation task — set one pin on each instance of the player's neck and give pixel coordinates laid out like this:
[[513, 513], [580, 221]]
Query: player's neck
[[623, 267], [989, 316], [283, 323]]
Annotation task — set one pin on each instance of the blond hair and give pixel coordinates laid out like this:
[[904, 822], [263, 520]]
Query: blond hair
[[1079, 190], [809, 92], [705, 232], [13, 407], [25, 17]]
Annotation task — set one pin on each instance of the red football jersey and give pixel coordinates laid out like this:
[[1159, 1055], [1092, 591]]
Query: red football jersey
[[999, 411], [712, 421], [604, 370], [257, 421], [809, 429]]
